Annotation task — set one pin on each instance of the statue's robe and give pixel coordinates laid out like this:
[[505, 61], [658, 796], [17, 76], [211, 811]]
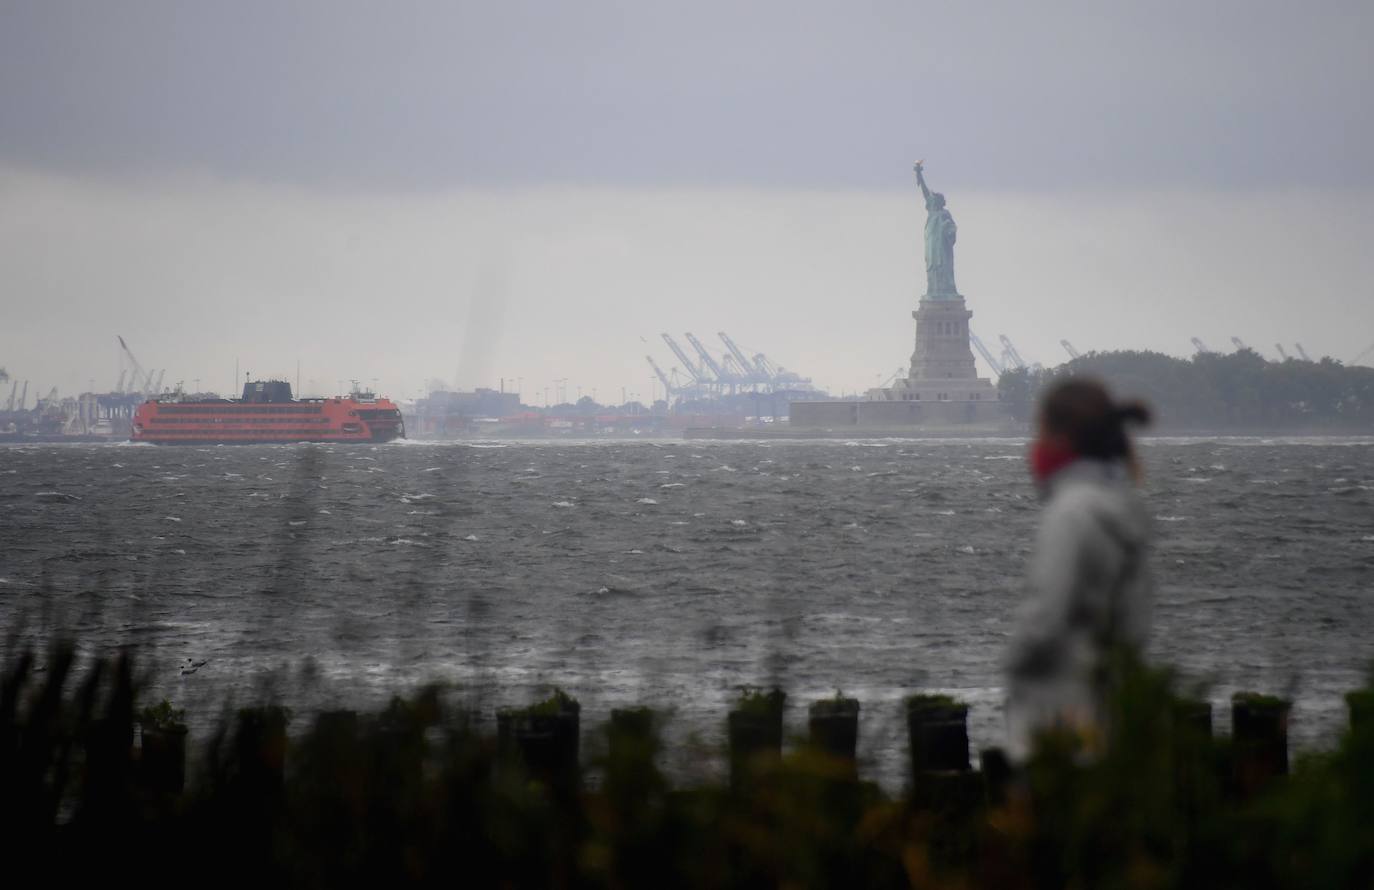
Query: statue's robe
[[940, 236]]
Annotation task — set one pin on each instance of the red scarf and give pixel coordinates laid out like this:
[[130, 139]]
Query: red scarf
[[1048, 458]]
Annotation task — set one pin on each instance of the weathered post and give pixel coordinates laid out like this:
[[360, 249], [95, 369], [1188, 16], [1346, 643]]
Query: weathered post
[[545, 737], [834, 728], [937, 727], [995, 766], [162, 754], [755, 732], [943, 785], [1259, 736]]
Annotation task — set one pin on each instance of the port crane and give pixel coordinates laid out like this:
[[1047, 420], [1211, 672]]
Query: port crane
[[997, 367], [1283, 355], [664, 378], [9, 406], [1368, 351], [698, 374], [1011, 353], [1068, 347], [746, 365], [1200, 347], [139, 374], [1239, 344], [708, 360], [1302, 352]]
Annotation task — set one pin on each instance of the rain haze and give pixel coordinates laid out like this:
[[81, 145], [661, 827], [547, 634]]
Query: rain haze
[[473, 192], [535, 444]]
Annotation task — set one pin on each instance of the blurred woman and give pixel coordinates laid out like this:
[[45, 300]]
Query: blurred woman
[[1090, 588]]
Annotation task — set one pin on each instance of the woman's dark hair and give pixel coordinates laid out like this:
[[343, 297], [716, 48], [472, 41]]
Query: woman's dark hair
[[1082, 411]]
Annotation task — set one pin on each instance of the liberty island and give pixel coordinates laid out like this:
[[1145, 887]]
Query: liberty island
[[942, 386]]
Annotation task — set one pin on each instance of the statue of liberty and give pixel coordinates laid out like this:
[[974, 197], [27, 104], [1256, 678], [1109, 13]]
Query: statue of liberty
[[940, 235]]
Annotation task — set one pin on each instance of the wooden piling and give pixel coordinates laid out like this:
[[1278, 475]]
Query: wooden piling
[[937, 728], [1259, 736], [833, 725], [755, 732]]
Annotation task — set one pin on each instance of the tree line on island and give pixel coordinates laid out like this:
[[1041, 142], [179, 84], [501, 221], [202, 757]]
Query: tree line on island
[[1211, 392]]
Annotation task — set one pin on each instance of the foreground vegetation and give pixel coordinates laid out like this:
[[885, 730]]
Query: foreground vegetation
[[91, 788], [1212, 392]]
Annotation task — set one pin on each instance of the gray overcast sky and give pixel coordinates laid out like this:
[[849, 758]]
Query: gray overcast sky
[[1234, 93], [511, 189]]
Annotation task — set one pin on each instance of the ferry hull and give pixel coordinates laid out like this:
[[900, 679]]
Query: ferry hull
[[267, 415]]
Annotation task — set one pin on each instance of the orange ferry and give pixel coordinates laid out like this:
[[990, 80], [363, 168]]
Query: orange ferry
[[267, 414]]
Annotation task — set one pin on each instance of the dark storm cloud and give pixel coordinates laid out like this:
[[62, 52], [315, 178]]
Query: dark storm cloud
[[770, 93]]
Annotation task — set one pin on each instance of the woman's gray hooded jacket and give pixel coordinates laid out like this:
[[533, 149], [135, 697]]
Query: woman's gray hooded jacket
[[1090, 591]]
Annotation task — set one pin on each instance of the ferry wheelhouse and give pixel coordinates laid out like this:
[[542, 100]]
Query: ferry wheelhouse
[[267, 414]]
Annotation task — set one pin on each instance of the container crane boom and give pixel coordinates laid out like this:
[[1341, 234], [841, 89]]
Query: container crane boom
[[14, 390], [1303, 352], [138, 373], [1011, 352], [997, 367], [157, 390], [1200, 346], [667, 381], [707, 359], [698, 374], [1068, 347], [747, 368], [1369, 350], [1239, 344]]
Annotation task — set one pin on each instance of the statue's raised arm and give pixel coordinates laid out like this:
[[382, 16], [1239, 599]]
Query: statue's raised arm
[[921, 179]]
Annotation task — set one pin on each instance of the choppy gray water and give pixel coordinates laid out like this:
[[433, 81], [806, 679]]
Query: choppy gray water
[[666, 572]]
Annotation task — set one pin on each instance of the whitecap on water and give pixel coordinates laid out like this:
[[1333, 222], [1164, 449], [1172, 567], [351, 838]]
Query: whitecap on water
[[172, 518], [738, 522], [470, 538], [646, 501], [564, 504], [673, 485], [1171, 518], [967, 548]]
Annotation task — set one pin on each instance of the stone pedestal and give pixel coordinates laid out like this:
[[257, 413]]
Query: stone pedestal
[[942, 364], [941, 389]]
